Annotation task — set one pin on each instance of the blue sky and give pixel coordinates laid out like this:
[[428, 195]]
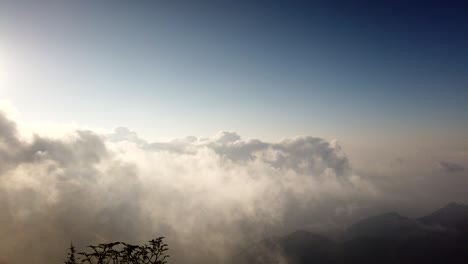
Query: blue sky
[[264, 69]]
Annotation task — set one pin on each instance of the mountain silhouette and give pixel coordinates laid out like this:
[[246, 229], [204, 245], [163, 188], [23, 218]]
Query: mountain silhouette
[[451, 216], [305, 247], [385, 225], [440, 237], [298, 247]]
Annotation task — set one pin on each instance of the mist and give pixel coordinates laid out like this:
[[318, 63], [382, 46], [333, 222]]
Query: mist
[[210, 197]]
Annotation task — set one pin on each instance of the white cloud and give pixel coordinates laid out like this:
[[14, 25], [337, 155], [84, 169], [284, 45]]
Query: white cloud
[[208, 195]]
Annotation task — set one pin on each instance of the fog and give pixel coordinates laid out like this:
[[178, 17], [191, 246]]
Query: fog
[[210, 197]]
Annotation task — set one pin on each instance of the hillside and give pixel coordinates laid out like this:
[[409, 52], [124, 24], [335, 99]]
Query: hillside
[[440, 237]]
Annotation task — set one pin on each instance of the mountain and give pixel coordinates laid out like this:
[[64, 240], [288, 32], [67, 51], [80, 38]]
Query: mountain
[[440, 237], [451, 216], [297, 247], [385, 225], [305, 247]]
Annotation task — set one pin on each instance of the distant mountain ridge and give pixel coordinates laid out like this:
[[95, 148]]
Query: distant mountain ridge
[[440, 237], [389, 224], [450, 216]]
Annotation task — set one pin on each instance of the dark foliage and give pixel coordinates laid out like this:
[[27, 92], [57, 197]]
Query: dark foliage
[[71, 255], [121, 253]]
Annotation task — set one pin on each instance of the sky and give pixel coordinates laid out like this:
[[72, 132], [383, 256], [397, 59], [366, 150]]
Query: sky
[[266, 69], [228, 120]]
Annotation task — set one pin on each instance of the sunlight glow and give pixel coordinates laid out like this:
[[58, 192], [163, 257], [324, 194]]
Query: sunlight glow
[[5, 71]]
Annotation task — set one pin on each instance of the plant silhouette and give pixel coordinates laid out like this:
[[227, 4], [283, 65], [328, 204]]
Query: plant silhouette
[[121, 253], [71, 255]]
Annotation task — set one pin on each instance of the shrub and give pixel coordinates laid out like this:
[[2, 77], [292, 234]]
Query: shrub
[[121, 253]]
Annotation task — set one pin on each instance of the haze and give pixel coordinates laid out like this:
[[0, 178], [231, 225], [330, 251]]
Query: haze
[[219, 123]]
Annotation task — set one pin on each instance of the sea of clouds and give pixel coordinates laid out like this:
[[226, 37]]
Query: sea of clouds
[[210, 197]]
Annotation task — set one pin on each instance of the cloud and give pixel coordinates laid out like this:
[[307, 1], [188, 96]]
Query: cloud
[[124, 134], [307, 155], [209, 196], [450, 167]]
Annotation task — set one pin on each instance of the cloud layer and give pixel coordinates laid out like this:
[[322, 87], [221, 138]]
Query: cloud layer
[[209, 196]]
